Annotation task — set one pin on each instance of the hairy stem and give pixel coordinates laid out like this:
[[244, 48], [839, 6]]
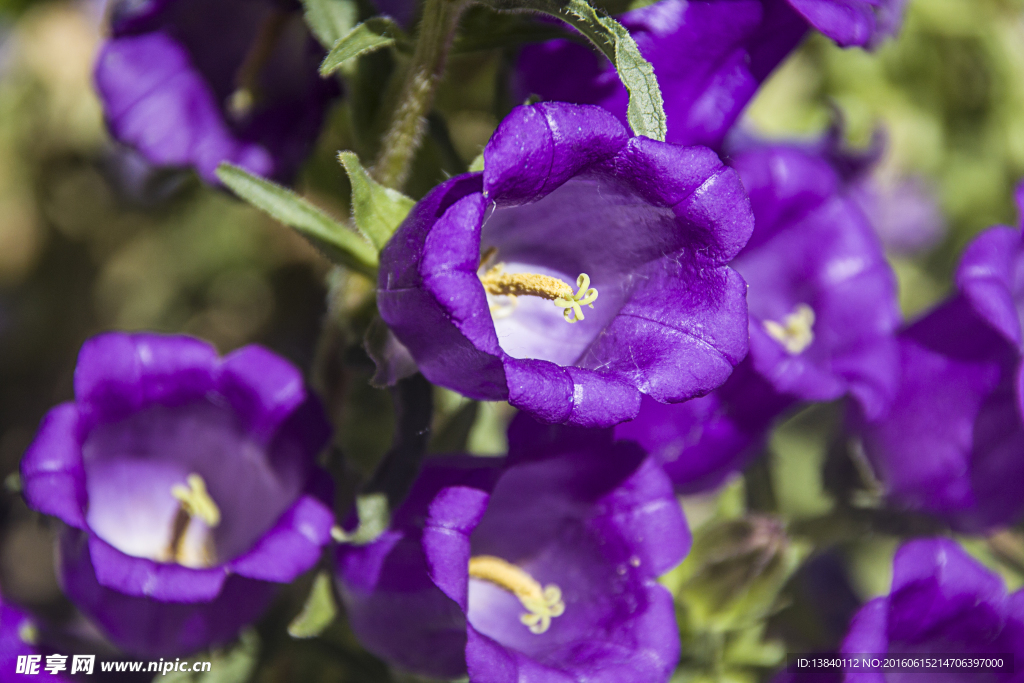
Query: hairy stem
[[437, 29]]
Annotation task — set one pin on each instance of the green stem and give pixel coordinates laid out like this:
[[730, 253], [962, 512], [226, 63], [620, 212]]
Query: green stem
[[437, 29]]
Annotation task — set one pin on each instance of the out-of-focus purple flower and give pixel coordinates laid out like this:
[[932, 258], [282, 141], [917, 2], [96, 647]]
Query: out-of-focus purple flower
[[942, 601], [188, 486], [540, 568], [951, 444], [823, 312], [905, 213], [197, 82], [565, 193], [710, 56], [18, 639]]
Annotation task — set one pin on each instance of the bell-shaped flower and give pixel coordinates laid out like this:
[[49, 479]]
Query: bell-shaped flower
[[942, 602], [710, 57], [581, 269], [539, 567], [187, 486], [951, 444], [823, 313], [192, 83]]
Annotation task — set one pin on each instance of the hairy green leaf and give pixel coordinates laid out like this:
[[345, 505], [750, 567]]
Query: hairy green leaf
[[646, 111], [334, 239], [369, 36], [318, 612], [378, 210], [330, 19]]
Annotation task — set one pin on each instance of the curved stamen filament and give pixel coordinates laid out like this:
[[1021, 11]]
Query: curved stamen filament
[[193, 501], [242, 99], [795, 332], [499, 283], [542, 604]]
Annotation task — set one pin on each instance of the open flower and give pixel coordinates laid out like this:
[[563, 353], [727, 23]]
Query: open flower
[[942, 602], [710, 57], [951, 444], [198, 82], [188, 486], [581, 269], [538, 568], [823, 313]]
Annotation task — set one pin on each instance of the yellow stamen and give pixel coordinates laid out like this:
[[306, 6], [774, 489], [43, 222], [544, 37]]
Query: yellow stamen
[[542, 604], [193, 501], [196, 501], [796, 332], [28, 633], [499, 283], [241, 101]]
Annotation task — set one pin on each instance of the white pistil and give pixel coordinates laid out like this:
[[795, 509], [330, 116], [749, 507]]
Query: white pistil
[[193, 501], [542, 604], [795, 332]]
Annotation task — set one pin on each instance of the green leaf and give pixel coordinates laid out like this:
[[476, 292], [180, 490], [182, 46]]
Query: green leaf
[[378, 210], [374, 518], [480, 28], [338, 243], [318, 612], [233, 664], [646, 111], [477, 163], [330, 19], [369, 36]]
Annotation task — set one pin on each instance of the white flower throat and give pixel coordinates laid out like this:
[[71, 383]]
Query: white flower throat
[[512, 285], [542, 604]]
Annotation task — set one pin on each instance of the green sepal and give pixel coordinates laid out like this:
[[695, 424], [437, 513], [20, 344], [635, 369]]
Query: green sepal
[[340, 244], [734, 573], [318, 612], [234, 663], [646, 112], [371, 35], [329, 20], [374, 519], [377, 210]]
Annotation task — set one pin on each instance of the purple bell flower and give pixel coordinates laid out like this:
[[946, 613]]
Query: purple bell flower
[[823, 312], [19, 641], [540, 567], [709, 56], [951, 444], [188, 486], [198, 82], [942, 602], [476, 282]]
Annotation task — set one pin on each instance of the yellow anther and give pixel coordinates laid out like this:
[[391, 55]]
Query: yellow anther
[[796, 332], [499, 283], [28, 633], [195, 500], [542, 604]]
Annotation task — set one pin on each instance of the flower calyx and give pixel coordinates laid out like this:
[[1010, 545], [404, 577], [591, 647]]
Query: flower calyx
[[542, 604]]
